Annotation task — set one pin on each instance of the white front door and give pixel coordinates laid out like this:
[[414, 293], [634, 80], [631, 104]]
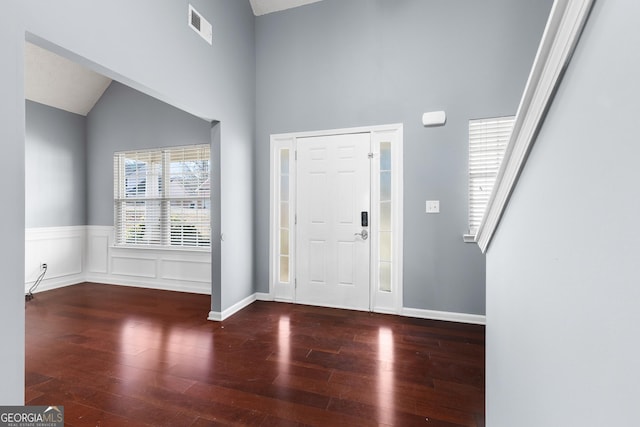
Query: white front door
[[333, 209]]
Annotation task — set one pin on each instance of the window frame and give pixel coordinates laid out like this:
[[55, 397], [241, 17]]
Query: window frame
[[488, 140], [162, 238]]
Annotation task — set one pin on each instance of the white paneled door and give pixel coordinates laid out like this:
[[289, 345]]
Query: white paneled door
[[333, 208]]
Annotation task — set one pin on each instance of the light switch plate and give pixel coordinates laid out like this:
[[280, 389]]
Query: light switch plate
[[433, 206]]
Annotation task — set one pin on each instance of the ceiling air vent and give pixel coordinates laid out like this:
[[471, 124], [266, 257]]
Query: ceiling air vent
[[200, 25]]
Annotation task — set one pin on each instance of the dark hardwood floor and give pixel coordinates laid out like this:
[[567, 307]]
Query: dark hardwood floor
[[117, 356]]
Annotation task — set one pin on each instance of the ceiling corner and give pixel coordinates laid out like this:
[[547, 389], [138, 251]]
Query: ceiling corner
[[263, 7]]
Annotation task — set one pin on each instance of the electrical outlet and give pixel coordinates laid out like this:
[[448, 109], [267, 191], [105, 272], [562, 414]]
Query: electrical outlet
[[433, 206], [43, 266]]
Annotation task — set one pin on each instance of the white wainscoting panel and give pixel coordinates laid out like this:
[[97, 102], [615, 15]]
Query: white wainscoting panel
[[99, 239], [168, 269], [196, 270], [86, 254], [125, 262], [61, 248]]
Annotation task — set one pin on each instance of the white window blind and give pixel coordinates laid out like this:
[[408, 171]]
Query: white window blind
[[488, 139], [162, 197]]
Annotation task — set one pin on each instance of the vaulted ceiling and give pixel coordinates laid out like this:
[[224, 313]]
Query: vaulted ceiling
[[58, 82]]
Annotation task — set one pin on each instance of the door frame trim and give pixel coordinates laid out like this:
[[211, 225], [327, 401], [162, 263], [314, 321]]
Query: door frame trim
[[382, 302]]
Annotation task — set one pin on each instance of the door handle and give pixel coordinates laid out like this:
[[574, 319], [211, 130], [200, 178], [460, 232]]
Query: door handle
[[364, 234]]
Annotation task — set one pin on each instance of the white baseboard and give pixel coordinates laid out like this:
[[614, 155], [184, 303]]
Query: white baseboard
[[219, 317], [55, 283], [385, 311], [407, 312], [86, 254], [149, 284], [448, 316], [215, 316], [261, 296]]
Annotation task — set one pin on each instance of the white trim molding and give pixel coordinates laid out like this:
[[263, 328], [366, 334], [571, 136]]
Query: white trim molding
[[262, 296], [77, 254], [85, 254], [155, 268], [279, 289], [217, 316], [475, 319], [561, 35], [380, 301]]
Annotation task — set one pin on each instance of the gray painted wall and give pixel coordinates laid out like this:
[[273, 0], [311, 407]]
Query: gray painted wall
[[562, 270], [170, 62], [337, 64], [160, 56], [12, 220], [125, 119], [55, 140], [55, 171]]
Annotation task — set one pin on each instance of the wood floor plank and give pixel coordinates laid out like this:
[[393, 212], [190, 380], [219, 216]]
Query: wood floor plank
[[117, 356]]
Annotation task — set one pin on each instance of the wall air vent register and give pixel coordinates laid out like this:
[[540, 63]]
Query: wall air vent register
[[200, 25]]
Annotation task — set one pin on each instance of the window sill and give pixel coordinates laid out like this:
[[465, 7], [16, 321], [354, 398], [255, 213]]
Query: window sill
[[161, 248], [469, 238]]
